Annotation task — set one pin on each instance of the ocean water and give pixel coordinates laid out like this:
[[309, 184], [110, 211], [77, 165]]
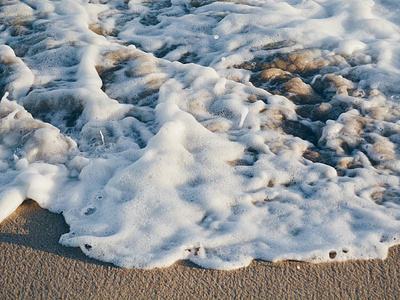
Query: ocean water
[[214, 131]]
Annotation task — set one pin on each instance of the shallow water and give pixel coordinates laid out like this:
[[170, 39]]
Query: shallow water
[[214, 131]]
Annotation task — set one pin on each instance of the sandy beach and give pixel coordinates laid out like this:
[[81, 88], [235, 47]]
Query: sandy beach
[[34, 266]]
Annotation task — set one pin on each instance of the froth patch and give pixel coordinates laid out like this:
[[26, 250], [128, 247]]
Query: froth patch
[[252, 130], [16, 10], [16, 78], [29, 138]]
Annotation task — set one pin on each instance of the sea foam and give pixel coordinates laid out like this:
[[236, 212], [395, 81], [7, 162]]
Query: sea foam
[[214, 131]]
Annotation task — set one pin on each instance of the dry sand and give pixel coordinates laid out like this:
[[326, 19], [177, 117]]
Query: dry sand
[[34, 266]]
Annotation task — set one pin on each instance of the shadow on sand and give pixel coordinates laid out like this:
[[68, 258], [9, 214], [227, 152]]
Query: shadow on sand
[[37, 228]]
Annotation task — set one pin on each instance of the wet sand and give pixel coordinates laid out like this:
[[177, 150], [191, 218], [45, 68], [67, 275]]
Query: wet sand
[[34, 266]]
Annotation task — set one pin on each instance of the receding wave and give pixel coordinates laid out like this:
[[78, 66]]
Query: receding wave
[[214, 131]]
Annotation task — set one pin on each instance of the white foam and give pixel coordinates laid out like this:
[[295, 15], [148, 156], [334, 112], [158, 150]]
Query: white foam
[[141, 122]]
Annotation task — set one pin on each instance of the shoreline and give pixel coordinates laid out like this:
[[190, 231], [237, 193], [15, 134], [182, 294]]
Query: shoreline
[[33, 265]]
